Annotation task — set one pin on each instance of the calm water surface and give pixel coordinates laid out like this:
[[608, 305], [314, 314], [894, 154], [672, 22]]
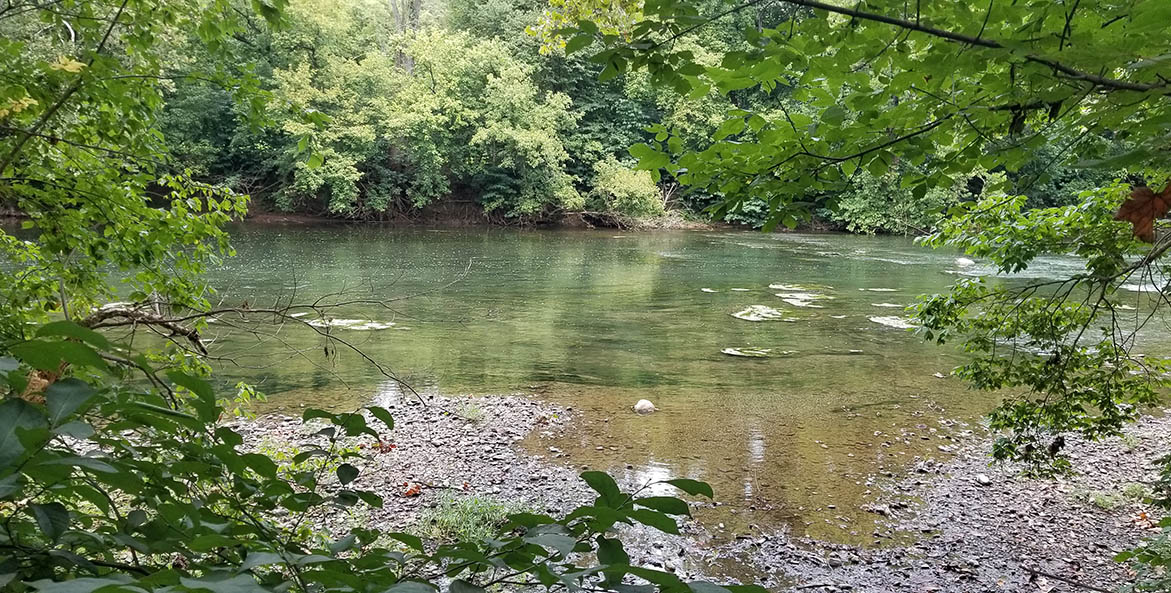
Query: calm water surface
[[598, 320]]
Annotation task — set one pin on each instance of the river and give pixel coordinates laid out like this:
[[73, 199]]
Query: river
[[598, 320]]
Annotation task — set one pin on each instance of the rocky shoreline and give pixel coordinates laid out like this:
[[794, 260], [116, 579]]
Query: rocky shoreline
[[976, 527], [953, 525]]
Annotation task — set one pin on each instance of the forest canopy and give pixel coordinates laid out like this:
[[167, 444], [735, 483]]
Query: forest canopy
[[449, 110]]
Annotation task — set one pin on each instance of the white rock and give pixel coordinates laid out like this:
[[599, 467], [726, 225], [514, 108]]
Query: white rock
[[964, 262], [759, 313], [893, 321], [644, 406]]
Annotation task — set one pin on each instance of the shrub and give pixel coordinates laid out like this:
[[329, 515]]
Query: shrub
[[618, 189]]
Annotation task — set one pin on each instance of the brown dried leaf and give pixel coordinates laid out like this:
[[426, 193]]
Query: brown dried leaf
[[1143, 208]]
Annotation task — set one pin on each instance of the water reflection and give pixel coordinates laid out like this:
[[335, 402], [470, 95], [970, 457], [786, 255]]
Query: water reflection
[[599, 321]]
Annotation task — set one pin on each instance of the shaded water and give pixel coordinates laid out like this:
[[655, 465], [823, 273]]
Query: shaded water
[[598, 320]]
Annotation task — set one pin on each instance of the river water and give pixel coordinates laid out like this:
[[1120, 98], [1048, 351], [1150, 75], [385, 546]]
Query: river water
[[598, 320]]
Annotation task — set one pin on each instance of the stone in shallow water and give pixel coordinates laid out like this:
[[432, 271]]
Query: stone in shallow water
[[893, 321], [354, 324], [789, 287], [801, 287], [964, 262], [748, 352], [644, 406], [761, 313], [802, 299]]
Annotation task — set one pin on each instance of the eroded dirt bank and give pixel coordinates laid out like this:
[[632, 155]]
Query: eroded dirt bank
[[953, 525]]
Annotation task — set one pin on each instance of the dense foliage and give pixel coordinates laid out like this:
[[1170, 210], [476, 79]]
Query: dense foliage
[[459, 108], [478, 109]]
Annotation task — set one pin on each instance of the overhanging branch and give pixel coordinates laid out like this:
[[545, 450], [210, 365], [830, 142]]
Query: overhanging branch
[[1068, 71]]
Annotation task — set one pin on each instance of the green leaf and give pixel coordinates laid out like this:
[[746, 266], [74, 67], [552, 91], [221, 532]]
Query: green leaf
[[89, 463], [69, 329], [610, 551], [462, 586], [745, 588], [705, 587], [833, 115], [64, 397], [730, 127], [370, 498], [648, 157], [346, 473], [343, 544], [384, 415], [664, 580], [692, 487], [666, 504], [205, 403], [411, 587], [578, 43], [563, 544], [315, 160], [80, 585], [255, 559], [48, 356], [10, 485], [411, 541], [655, 519], [52, 518], [75, 429], [243, 583], [14, 414], [609, 493]]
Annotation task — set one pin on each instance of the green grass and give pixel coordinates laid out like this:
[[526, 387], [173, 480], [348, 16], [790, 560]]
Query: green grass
[[1137, 491], [1110, 500], [1130, 442], [468, 518], [470, 411]]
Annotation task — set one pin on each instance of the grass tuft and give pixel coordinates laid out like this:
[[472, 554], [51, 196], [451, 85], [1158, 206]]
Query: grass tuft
[[468, 518]]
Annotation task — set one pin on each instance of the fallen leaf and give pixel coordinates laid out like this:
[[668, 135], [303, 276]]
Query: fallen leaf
[[1143, 208]]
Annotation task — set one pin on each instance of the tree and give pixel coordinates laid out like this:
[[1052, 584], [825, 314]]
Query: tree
[[940, 92]]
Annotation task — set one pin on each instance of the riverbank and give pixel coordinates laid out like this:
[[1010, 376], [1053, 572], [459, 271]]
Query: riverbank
[[443, 448], [970, 527], [471, 218], [976, 527]]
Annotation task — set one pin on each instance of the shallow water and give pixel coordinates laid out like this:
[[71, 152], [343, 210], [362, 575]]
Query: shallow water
[[598, 320]]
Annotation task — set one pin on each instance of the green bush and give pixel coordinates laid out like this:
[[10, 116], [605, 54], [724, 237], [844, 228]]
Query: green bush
[[618, 189], [882, 205]]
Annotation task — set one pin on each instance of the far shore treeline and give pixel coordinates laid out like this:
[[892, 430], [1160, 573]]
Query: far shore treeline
[[467, 111]]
